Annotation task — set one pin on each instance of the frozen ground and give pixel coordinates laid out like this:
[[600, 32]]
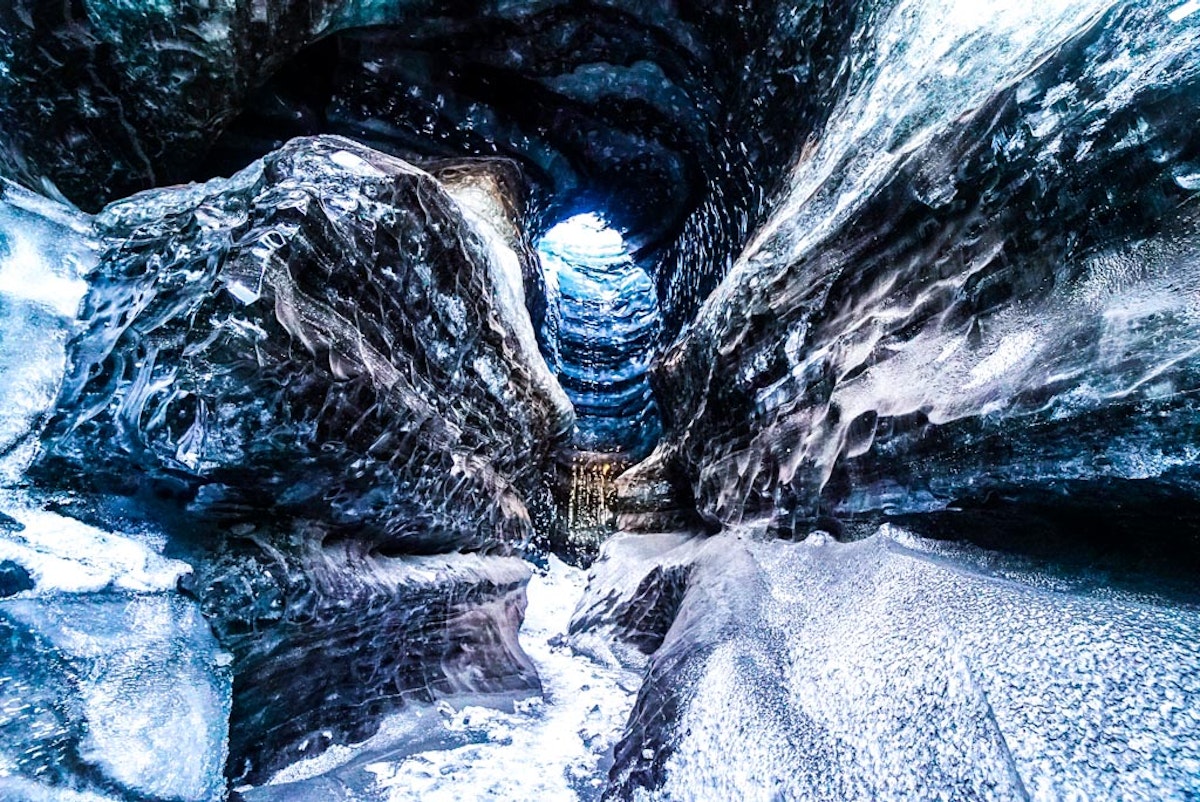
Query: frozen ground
[[111, 683], [900, 668], [553, 748]]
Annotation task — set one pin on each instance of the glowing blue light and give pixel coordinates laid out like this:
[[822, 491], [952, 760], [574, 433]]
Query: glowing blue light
[[584, 237], [601, 330]]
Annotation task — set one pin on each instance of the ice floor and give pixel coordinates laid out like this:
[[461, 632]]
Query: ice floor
[[553, 748]]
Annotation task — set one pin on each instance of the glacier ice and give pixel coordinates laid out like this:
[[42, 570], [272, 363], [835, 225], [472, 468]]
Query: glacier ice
[[901, 351], [112, 684], [162, 426], [143, 699], [317, 379], [185, 380], [854, 341]]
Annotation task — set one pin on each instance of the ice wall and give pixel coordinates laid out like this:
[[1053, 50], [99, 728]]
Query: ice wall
[[318, 381], [979, 288]]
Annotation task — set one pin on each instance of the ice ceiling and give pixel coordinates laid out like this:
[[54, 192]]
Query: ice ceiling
[[852, 345]]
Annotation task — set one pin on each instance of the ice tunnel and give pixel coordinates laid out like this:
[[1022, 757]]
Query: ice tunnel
[[604, 322], [623, 400], [601, 331]]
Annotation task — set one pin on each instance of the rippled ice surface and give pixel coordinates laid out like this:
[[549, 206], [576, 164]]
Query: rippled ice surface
[[557, 747]]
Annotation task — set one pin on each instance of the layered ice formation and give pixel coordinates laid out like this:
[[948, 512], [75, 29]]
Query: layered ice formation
[[603, 323]]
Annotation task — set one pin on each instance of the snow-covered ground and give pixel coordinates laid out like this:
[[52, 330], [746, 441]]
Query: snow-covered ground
[[552, 748]]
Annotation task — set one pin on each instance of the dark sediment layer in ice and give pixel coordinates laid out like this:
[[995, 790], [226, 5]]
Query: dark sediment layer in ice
[[330, 640]]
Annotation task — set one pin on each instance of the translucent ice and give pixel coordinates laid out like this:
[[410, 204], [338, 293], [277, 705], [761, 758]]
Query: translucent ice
[[44, 252], [114, 693]]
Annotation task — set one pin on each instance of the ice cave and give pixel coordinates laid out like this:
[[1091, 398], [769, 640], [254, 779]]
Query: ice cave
[[603, 400]]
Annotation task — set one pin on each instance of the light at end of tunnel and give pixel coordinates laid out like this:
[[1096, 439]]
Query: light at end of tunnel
[[586, 236]]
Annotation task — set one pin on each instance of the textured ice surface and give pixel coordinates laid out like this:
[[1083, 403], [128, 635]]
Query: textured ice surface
[[150, 703], [318, 380], [603, 323], [553, 747], [484, 202], [981, 278], [44, 252], [678, 121], [926, 63], [327, 641], [317, 340], [110, 682], [968, 303], [871, 670], [632, 596]]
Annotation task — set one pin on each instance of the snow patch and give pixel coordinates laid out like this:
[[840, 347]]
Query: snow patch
[[556, 747], [1012, 351], [1184, 11], [63, 555]]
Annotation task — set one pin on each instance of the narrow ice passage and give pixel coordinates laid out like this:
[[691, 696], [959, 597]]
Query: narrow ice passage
[[601, 332], [603, 321], [556, 747]]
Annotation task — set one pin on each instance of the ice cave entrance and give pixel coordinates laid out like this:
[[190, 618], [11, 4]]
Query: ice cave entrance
[[600, 333]]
